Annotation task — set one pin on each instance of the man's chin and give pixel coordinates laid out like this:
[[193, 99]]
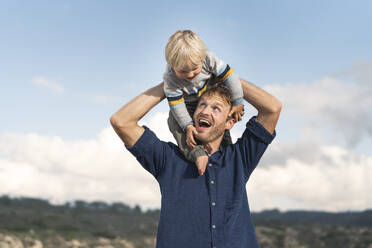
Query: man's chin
[[203, 137]]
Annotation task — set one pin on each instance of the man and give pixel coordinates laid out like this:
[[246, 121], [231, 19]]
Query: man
[[210, 210]]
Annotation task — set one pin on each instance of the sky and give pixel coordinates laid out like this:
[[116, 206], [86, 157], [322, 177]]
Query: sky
[[66, 66]]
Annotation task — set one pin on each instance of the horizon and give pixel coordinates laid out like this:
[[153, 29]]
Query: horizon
[[72, 205]]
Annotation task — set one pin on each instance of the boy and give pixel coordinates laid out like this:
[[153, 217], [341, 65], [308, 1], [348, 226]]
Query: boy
[[191, 67]]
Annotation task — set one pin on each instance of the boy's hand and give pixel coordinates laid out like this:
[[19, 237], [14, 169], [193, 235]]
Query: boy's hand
[[190, 132], [201, 164], [237, 112]]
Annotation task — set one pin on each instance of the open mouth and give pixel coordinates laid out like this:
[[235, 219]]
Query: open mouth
[[204, 124]]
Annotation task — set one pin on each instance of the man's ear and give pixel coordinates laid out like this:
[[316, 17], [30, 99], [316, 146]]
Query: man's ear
[[229, 123]]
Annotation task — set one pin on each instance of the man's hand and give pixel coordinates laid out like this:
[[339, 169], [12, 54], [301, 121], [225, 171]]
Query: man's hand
[[190, 133], [237, 112], [201, 164]]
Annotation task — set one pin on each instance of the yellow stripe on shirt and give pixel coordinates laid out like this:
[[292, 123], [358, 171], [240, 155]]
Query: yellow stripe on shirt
[[203, 89], [228, 74], [175, 102]]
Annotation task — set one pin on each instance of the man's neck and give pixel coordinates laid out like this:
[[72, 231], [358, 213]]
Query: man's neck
[[214, 146]]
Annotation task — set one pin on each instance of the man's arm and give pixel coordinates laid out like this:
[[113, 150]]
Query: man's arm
[[125, 120], [267, 105]]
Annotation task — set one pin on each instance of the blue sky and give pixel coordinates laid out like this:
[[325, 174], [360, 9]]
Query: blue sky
[[66, 66], [100, 47]]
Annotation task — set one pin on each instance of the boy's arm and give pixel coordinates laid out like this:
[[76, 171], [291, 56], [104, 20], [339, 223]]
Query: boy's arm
[[267, 105], [232, 82], [177, 104], [226, 74], [124, 121]]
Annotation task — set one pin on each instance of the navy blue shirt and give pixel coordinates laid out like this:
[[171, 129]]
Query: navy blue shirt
[[210, 210]]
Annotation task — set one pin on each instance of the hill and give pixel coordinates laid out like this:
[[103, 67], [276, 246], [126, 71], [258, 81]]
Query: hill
[[30, 222]]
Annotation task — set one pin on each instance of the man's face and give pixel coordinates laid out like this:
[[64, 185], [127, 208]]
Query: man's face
[[210, 118]]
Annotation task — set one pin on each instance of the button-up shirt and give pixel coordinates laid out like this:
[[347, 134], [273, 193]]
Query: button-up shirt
[[210, 210]]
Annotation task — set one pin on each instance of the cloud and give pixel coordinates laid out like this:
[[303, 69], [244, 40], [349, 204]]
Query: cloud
[[63, 170], [308, 172], [331, 103], [360, 72], [290, 176], [49, 84], [335, 179]]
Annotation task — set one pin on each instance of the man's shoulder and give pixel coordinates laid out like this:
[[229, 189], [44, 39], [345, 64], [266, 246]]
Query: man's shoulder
[[149, 139], [255, 129]]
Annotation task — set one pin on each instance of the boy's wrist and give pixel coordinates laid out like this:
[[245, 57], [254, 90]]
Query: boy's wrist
[[237, 101], [186, 125], [189, 127]]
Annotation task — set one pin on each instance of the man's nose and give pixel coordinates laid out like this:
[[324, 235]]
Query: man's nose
[[206, 110]]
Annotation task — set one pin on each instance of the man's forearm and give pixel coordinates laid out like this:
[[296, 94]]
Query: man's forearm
[[268, 106], [125, 120]]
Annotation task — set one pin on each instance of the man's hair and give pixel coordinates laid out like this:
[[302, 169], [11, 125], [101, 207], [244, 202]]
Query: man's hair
[[218, 89], [184, 48]]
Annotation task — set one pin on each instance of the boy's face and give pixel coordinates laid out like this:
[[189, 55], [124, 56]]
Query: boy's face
[[189, 72]]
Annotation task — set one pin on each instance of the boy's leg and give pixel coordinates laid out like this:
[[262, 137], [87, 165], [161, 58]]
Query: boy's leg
[[180, 137]]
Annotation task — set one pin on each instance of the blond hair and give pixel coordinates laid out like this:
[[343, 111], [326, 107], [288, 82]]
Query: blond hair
[[184, 48]]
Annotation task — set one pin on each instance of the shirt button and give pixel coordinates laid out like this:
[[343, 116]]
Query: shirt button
[[210, 165], [212, 182], [213, 203], [214, 226]]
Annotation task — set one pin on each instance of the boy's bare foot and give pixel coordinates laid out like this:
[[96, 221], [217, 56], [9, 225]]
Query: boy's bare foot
[[201, 164]]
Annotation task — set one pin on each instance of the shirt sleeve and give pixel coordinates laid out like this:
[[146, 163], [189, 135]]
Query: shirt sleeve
[[253, 144], [226, 74], [150, 152], [176, 101]]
